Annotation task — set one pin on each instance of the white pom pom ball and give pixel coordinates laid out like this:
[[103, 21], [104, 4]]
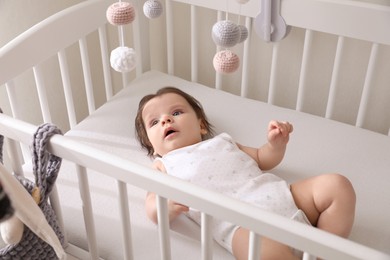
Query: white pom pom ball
[[225, 33], [226, 62], [152, 9], [123, 59]]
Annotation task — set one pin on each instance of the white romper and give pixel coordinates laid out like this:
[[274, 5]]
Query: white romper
[[218, 164]]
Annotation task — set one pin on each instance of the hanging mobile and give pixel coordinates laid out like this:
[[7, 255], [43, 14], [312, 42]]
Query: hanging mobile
[[122, 59], [269, 24], [227, 34]]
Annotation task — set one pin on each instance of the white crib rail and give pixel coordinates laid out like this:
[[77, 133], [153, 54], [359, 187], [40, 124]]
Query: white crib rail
[[297, 235]]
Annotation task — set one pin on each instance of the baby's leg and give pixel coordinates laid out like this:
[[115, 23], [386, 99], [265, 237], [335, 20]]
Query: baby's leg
[[270, 249], [328, 201]]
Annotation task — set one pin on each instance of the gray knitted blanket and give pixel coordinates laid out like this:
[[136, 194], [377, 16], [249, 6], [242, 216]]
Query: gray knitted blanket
[[45, 169]]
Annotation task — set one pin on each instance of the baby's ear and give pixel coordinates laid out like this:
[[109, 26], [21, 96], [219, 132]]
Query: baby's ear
[[203, 128]]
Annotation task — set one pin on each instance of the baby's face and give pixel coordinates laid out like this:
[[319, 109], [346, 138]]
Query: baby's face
[[171, 123]]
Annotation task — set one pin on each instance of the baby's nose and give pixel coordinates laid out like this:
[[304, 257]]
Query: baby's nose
[[167, 119]]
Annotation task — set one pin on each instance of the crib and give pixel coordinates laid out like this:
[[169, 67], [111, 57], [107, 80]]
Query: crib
[[328, 76]]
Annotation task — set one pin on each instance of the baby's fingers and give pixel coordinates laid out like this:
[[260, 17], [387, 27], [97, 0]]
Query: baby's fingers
[[286, 128], [177, 207], [276, 127]]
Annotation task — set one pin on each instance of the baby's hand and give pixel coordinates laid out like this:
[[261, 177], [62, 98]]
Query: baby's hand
[[279, 132], [175, 209]]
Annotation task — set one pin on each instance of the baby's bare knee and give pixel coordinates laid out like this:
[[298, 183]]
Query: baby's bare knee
[[342, 186], [340, 180]]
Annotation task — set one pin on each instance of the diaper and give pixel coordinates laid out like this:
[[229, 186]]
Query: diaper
[[224, 231]]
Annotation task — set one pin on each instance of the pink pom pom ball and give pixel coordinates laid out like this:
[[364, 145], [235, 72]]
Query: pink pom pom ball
[[120, 13], [225, 33], [123, 59], [152, 9], [226, 62]]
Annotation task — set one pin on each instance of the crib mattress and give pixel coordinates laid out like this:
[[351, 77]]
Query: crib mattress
[[316, 146]]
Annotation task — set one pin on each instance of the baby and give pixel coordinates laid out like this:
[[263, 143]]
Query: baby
[[172, 126]]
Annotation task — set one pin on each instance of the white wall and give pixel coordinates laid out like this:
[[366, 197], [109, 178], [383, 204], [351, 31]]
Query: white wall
[[18, 15]]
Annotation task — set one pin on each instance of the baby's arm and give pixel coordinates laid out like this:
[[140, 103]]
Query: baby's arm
[[271, 154], [175, 209]]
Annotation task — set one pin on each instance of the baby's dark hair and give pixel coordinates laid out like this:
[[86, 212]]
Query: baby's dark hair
[[140, 125]]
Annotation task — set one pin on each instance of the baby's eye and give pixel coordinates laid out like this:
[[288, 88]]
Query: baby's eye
[[176, 113], [153, 122]]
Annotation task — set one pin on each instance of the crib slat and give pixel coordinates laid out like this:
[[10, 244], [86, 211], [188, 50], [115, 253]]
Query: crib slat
[[303, 74], [170, 35], [307, 256], [67, 88], [125, 219], [218, 81], [140, 36], [87, 211], [245, 60], [194, 44], [15, 155], [105, 62], [218, 76], [125, 79], [87, 74], [335, 77], [207, 238], [367, 85], [41, 89], [121, 38], [254, 246], [273, 76], [10, 88], [163, 227], [55, 203]]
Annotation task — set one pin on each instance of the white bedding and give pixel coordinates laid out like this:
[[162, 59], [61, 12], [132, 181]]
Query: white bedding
[[316, 146]]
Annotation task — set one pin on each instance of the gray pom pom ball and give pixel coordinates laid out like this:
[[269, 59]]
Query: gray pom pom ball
[[152, 9], [225, 33]]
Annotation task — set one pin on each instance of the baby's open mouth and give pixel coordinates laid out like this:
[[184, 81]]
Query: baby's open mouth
[[169, 132]]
